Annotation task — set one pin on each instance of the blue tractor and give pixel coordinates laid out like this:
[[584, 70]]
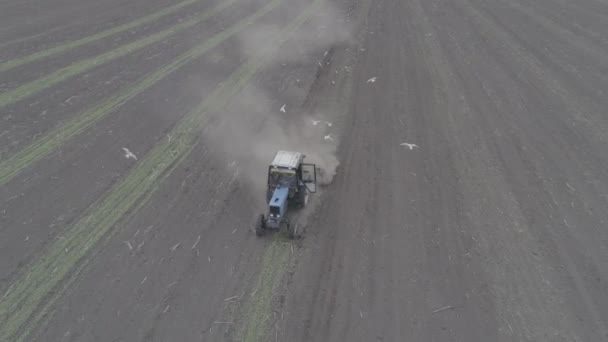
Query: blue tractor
[[290, 180]]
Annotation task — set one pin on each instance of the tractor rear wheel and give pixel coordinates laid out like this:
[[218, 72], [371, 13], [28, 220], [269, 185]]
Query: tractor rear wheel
[[284, 226], [260, 225], [302, 198], [292, 231]]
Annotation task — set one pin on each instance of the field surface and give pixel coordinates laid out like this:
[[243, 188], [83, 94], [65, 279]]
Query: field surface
[[463, 144]]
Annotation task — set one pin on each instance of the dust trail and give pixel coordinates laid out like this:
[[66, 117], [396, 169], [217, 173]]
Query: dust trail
[[269, 115]]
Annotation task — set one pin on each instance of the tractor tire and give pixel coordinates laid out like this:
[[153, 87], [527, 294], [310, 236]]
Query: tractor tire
[[302, 198], [260, 226], [292, 231], [284, 226]]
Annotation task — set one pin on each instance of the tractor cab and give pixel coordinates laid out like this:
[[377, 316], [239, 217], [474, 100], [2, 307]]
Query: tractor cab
[[288, 170]]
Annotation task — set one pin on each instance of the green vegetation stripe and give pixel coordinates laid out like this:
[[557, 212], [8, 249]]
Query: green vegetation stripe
[[62, 74], [43, 146], [41, 316], [24, 39], [258, 310], [76, 43], [21, 306], [274, 264]]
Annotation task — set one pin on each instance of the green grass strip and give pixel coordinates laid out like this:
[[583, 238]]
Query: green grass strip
[[76, 43], [258, 309], [49, 142], [42, 315], [24, 39], [62, 74], [24, 305]]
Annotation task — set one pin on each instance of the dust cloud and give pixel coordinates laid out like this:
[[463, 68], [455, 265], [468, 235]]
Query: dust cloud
[[253, 127]]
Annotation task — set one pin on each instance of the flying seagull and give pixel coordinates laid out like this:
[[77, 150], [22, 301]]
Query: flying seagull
[[315, 122], [372, 80], [411, 146], [328, 137], [129, 154], [283, 109], [328, 123]]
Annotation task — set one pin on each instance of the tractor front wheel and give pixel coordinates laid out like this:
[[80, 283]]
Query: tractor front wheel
[[260, 225], [292, 231]]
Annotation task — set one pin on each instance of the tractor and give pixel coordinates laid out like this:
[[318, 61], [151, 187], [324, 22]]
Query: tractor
[[290, 180]]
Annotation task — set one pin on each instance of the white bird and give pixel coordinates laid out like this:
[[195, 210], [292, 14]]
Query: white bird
[[372, 80], [283, 109], [315, 122], [328, 123], [129, 154], [328, 137], [411, 146]]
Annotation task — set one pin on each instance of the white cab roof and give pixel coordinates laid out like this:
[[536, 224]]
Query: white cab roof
[[287, 159]]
